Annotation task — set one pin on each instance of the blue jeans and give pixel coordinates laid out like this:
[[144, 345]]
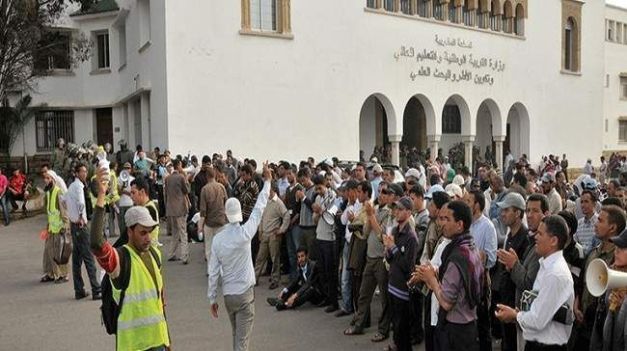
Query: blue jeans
[[347, 297], [293, 243], [5, 209], [81, 253]]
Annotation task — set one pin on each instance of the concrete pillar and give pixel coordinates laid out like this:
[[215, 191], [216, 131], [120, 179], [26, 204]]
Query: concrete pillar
[[498, 151], [433, 141], [468, 144], [145, 117], [395, 141]]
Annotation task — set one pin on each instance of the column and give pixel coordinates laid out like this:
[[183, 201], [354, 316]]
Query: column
[[378, 4], [433, 142], [413, 7], [498, 151], [468, 144], [395, 141], [145, 118]]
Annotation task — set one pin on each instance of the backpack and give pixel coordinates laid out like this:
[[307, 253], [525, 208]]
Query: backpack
[[110, 310]]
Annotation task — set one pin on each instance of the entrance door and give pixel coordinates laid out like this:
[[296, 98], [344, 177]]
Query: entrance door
[[104, 126]]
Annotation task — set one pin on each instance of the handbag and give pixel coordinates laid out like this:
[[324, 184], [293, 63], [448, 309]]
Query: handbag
[[62, 248]]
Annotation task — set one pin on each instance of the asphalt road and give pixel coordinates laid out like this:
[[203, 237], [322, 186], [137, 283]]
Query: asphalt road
[[42, 316]]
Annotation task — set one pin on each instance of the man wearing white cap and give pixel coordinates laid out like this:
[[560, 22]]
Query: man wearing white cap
[[231, 260], [377, 172]]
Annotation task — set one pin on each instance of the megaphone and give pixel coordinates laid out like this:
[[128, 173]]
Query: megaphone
[[599, 278]]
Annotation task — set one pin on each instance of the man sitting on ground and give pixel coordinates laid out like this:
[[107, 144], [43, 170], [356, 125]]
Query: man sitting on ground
[[305, 287]]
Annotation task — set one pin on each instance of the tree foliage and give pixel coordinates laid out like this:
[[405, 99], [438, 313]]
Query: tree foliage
[[14, 119], [27, 37]]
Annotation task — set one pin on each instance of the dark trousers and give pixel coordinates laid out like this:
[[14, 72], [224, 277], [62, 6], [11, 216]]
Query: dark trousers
[[328, 260], [535, 346], [429, 330], [5, 208], [308, 240], [416, 301], [483, 326], [401, 316], [80, 254], [454, 337], [160, 200], [508, 330], [374, 275], [312, 295]]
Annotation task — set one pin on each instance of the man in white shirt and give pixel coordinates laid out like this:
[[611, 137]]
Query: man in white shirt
[[76, 206], [554, 288], [232, 262]]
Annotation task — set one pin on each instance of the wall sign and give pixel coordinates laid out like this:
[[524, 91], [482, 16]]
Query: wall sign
[[450, 65]]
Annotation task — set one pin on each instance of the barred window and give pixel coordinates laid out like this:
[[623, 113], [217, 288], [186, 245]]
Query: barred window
[[52, 125]]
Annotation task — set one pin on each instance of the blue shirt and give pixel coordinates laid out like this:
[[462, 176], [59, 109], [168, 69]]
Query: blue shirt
[[484, 233], [585, 234]]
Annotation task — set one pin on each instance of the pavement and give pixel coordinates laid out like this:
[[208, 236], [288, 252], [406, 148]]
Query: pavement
[[45, 315]]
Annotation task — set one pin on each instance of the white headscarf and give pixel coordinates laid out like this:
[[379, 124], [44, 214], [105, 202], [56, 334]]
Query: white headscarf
[[58, 181]]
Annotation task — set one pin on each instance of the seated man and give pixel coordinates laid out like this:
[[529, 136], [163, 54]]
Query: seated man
[[305, 287], [18, 186]]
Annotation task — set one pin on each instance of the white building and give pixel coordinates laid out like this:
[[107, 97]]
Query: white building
[[615, 123], [282, 79]]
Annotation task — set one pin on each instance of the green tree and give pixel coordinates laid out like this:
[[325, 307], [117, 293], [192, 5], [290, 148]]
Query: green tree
[[14, 119], [25, 38]]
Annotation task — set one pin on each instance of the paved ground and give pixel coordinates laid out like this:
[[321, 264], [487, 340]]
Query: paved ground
[[45, 316]]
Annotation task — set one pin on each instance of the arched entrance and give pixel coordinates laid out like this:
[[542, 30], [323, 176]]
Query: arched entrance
[[373, 126], [418, 122], [455, 130], [488, 125], [517, 140]]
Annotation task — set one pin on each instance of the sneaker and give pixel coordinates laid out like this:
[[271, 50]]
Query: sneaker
[[280, 306], [341, 313], [80, 295], [272, 301], [97, 296]]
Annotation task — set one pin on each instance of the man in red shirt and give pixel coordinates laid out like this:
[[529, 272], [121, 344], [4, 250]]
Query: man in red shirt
[[4, 185], [17, 190]]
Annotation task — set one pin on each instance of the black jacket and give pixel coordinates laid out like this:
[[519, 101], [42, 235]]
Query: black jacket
[[403, 257], [300, 286]]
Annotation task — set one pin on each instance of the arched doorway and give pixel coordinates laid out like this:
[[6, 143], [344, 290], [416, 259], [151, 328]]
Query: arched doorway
[[373, 124], [488, 125], [455, 126], [418, 122], [518, 131]]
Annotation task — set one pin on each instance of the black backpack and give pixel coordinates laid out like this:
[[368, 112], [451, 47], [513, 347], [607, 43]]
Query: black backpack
[[110, 310]]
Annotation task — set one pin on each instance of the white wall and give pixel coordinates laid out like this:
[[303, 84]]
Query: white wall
[[615, 64], [274, 98]]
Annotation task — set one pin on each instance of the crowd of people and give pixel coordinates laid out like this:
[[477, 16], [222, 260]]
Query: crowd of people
[[457, 261]]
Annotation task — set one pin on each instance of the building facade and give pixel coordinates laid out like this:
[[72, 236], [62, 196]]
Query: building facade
[[282, 79], [615, 123]]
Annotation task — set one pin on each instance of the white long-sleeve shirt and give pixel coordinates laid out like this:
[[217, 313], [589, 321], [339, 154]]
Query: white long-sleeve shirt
[[554, 285], [354, 208], [75, 201], [230, 253]]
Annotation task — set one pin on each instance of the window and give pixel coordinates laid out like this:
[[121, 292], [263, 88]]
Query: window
[[469, 16], [52, 125], [102, 47], [452, 15], [481, 16], [269, 16], [144, 22], [405, 8], [519, 21], [568, 45], [437, 10], [423, 8], [607, 80], [495, 19], [388, 5], [623, 87], [54, 52], [622, 130], [451, 120], [610, 31], [122, 44], [263, 15], [371, 4]]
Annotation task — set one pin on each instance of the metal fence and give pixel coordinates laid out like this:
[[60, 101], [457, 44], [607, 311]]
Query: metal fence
[[52, 125]]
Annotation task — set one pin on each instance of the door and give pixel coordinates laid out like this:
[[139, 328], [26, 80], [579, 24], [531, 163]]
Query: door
[[104, 126]]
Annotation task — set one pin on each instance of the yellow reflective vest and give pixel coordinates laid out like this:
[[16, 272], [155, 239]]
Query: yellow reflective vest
[[55, 221], [141, 323]]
